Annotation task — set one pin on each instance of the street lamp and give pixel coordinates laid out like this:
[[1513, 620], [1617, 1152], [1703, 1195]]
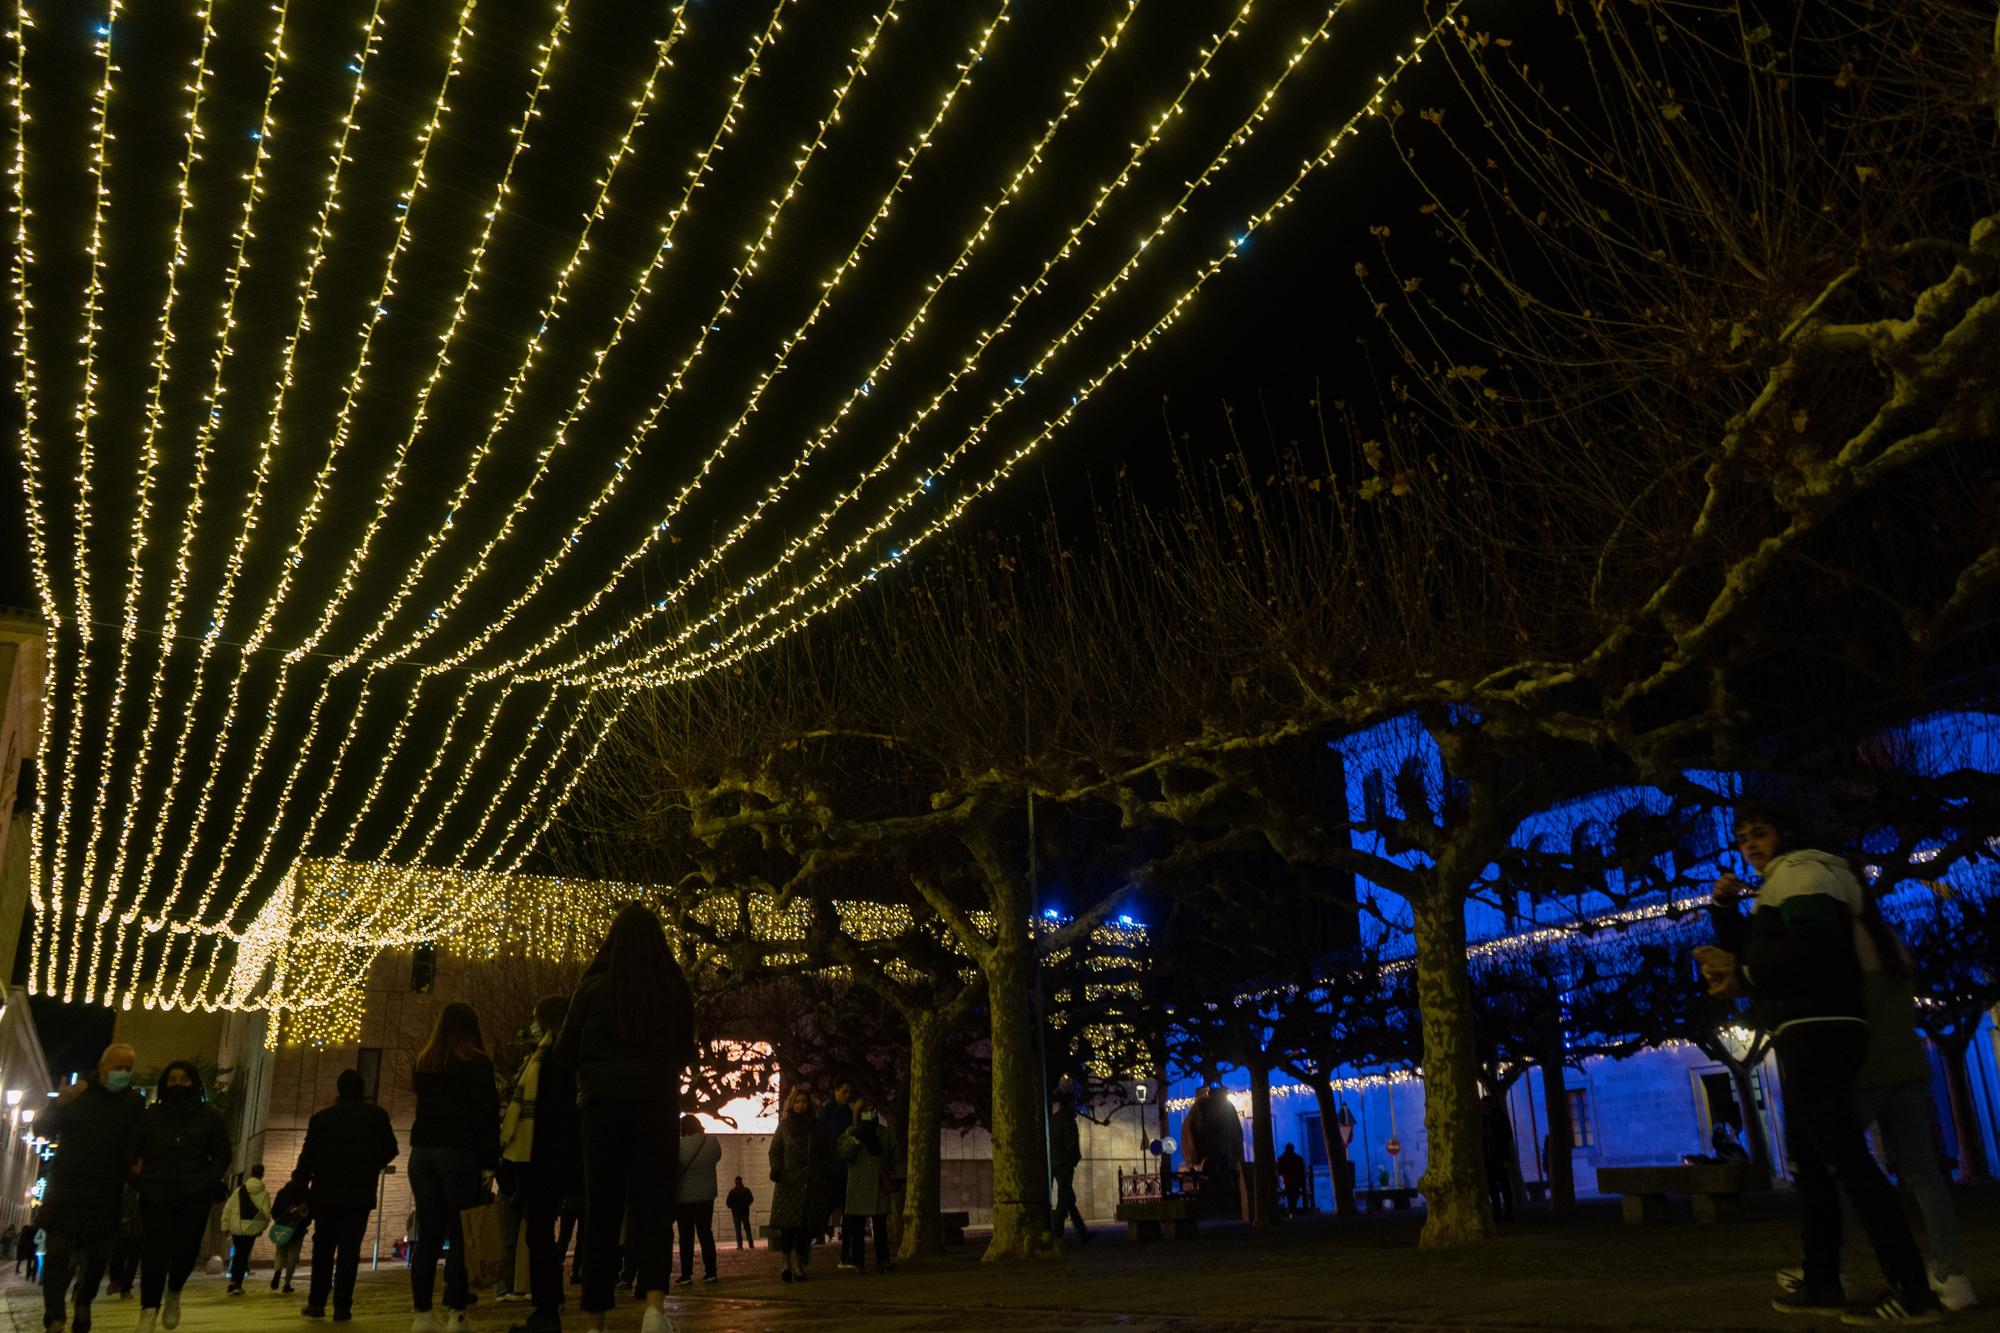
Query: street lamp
[[14, 1096]]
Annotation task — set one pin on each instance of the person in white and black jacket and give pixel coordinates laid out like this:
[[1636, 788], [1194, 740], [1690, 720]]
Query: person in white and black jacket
[[1795, 956]]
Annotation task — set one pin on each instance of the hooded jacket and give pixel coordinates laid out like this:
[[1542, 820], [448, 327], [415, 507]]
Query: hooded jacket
[[1796, 951], [182, 1146], [94, 1132]]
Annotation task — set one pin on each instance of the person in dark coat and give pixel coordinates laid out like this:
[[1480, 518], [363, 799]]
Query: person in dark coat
[[1065, 1154], [799, 1152], [340, 1167], [182, 1151], [629, 1035], [94, 1124], [1292, 1178], [290, 1215], [738, 1201], [454, 1148], [834, 1119], [552, 1173]]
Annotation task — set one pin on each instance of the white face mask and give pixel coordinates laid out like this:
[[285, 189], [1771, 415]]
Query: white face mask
[[535, 1031]]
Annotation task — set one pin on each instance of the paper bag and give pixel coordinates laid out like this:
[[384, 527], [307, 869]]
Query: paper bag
[[485, 1254]]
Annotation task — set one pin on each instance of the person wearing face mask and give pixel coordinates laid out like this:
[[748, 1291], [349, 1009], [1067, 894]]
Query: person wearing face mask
[[182, 1149], [538, 1162], [94, 1124]]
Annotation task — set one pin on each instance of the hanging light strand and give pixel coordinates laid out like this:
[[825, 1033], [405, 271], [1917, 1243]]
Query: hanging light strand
[[574, 668], [739, 278], [149, 459], [906, 165]]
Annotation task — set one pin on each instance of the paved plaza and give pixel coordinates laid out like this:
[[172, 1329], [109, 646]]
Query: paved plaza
[[1588, 1273]]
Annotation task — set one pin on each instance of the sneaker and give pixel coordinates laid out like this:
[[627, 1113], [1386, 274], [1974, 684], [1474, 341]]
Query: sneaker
[[454, 1322], [1954, 1292], [844, 1264], [1807, 1301], [1794, 1279], [511, 1297], [170, 1310], [235, 1290], [146, 1318], [683, 1280], [424, 1322], [1892, 1307], [656, 1321], [710, 1277], [313, 1312], [287, 1289]]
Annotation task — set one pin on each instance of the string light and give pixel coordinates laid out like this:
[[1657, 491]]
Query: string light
[[728, 650], [149, 463], [86, 414], [906, 164], [731, 293], [322, 232], [569, 670]]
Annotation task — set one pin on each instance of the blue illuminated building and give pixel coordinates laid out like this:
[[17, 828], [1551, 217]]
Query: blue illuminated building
[[1650, 1107]]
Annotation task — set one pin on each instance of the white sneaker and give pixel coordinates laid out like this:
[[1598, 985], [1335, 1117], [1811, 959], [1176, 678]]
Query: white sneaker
[[656, 1321], [424, 1322], [146, 1318], [170, 1310], [454, 1321], [1954, 1292]]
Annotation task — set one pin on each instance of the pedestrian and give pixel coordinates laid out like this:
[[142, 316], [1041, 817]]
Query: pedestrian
[[694, 1199], [629, 1035], [37, 1257], [869, 1149], [1892, 1092], [1724, 1144], [1065, 1154], [182, 1151], [739, 1200], [1497, 1148], [347, 1145], [546, 1175], [125, 1250], [1796, 956], [517, 1138], [1292, 1177], [94, 1124], [1195, 1131], [454, 1150], [834, 1118], [244, 1218], [798, 1171], [8, 1237], [289, 1216]]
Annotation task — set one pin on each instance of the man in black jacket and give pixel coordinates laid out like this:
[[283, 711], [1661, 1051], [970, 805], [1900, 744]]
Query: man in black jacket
[[347, 1145], [93, 1124], [1795, 957]]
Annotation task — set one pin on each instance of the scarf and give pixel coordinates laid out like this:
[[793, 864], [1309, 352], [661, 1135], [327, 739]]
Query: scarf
[[517, 1128]]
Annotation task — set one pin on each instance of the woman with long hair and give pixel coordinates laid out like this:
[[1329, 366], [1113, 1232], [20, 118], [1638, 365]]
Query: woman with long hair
[[799, 1158], [454, 1149], [182, 1150], [628, 1037]]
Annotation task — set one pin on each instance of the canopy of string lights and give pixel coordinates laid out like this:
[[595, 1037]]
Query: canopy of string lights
[[403, 387]]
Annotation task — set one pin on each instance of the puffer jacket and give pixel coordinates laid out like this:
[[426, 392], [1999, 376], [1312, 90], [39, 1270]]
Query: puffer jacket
[[94, 1133], [183, 1149], [248, 1211]]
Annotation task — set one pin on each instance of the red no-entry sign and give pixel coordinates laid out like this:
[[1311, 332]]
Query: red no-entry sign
[[1393, 1146]]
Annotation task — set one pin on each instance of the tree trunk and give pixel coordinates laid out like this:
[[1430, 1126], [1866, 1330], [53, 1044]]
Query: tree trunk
[[923, 1123], [1020, 1150], [1454, 1179], [1336, 1150], [1964, 1114], [1264, 1170], [1562, 1135]]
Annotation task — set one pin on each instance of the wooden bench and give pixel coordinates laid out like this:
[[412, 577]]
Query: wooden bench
[[1716, 1189], [1376, 1199], [1172, 1217]]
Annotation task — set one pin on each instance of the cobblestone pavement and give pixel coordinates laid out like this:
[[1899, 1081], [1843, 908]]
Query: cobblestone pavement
[[1589, 1273]]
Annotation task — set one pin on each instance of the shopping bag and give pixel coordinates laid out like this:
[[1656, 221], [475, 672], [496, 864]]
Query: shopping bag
[[485, 1255]]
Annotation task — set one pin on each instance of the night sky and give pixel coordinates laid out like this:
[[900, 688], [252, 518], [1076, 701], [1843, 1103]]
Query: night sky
[[1288, 312]]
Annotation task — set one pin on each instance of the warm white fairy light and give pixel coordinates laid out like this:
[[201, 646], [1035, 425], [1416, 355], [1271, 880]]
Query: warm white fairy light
[[551, 314], [635, 303], [471, 765], [572, 668], [552, 808], [26, 388], [420, 414], [322, 232], [86, 415], [829, 287], [149, 457], [739, 643], [725, 305], [495, 806], [406, 206]]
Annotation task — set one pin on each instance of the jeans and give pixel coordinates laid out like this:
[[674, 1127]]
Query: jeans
[[741, 1221], [170, 1246], [696, 1221], [1817, 1062], [337, 1237], [80, 1251], [239, 1259], [1903, 1114], [1066, 1208], [626, 1150], [854, 1238], [444, 1182]]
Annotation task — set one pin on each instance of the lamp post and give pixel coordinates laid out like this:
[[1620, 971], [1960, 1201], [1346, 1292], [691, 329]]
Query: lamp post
[[1141, 1091]]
